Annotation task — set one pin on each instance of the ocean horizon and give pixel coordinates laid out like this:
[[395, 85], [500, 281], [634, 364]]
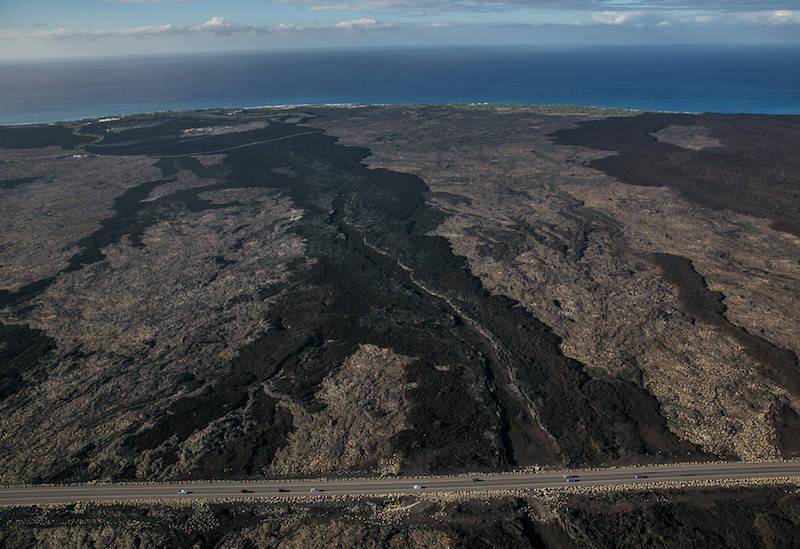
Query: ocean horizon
[[753, 79]]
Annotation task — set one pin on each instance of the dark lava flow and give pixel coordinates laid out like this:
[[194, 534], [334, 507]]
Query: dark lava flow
[[705, 305], [128, 219], [756, 171], [380, 279], [21, 348], [483, 364], [16, 182], [708, 306], [34, 137]]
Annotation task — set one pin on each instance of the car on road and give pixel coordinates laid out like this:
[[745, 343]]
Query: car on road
[[477, 480], [183, 491], [282, 490], [569, 476], [418, 487], [246, 491], [639, 476], [314, 490], [573, 479]]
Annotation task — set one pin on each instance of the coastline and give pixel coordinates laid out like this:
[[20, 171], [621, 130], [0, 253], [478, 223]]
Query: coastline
[[554, 108], [699, 80]]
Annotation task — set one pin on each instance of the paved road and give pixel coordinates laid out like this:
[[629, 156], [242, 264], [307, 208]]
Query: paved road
[[233, 148], [28, 495]]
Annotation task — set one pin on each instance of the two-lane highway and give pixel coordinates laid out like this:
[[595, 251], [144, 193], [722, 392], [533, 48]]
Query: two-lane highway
[[647, 475]]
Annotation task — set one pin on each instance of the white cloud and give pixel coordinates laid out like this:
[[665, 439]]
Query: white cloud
[[289, 27], [616, 17], [369, 5], [364, 23], [214, 26], [65, 33], [215, 23], [450, 6], [774, 17], [219, 26], [754, 18]]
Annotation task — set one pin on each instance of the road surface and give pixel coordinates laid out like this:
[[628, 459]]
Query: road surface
[[30, 495]]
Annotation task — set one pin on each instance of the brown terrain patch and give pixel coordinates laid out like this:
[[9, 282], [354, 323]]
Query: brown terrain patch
[[707, 306], [175, 307], [365, 407], [66, 202], [695, 138], [755, 172]]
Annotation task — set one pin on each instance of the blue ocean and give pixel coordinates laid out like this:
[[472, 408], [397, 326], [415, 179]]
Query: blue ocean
[[698, 79]]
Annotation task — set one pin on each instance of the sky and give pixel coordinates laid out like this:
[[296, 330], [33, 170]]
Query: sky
[[78, 28]]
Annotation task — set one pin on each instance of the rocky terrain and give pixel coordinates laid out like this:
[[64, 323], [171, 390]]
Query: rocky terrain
[[692, 297], [388, 290]]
